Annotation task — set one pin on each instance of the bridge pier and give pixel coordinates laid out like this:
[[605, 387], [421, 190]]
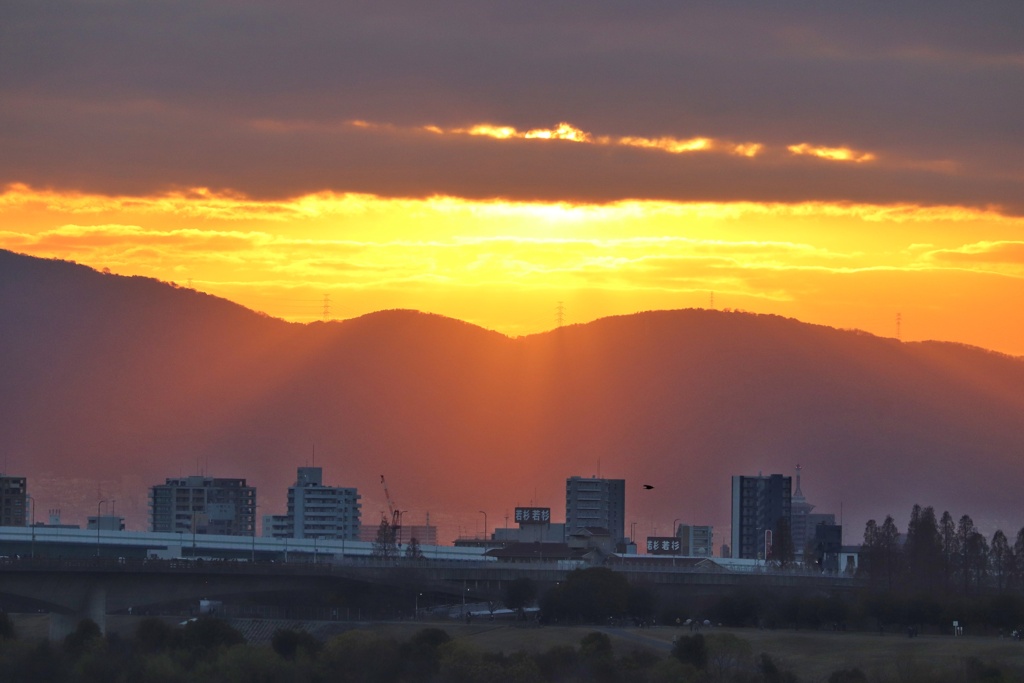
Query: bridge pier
[[93, 607]]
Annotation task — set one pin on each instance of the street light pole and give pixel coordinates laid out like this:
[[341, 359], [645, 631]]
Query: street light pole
[[398, 534], [254, 532], [32, 524], [99, 505]]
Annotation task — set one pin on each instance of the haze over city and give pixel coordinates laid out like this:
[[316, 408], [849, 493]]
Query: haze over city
[[521, 167]]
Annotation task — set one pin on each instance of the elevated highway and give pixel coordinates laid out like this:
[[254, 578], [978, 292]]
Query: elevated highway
[[73, 574], [72, 589]]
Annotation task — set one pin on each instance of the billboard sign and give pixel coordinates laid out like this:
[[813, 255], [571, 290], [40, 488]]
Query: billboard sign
[[663, 545], [533, 515]]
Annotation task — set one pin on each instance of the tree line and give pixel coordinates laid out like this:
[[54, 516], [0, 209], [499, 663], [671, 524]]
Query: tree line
[[940, 555]]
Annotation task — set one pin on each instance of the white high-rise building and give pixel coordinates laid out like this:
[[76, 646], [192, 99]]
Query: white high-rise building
[[317, 511]]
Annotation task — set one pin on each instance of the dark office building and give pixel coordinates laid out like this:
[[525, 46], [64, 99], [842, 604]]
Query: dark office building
[[758, 503], [13, 501], [203, 505], [595, 503]]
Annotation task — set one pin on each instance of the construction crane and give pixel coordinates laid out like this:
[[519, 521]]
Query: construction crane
[[396, 515]]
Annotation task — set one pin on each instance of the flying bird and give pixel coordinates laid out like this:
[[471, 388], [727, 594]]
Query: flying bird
[[648, 487]]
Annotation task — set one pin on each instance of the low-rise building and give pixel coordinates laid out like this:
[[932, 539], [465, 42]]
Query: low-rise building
[[695, 540]]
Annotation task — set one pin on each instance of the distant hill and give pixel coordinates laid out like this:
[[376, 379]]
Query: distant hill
[[111, 384]]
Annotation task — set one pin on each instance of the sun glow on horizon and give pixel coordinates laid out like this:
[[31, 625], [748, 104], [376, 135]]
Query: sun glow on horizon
[[501, 264]]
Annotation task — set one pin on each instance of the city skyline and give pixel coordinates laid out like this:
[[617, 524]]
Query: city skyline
[[599, 499]]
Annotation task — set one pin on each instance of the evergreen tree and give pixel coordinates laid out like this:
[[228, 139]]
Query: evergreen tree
[[881, 551], [413, 550], [1017, 572], [889, 541], [923, 549], [1002, 559], [950, 548], [976, 559], [384, 545], [869, 564], [964, 533]]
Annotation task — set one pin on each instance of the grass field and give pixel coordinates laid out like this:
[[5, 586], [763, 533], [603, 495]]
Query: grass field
[[811, 655]]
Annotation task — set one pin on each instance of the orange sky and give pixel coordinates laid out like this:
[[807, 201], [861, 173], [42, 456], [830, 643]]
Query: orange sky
[[949, 272], [837, 163]]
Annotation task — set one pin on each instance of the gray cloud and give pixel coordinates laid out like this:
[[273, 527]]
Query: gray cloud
[[138, 96]]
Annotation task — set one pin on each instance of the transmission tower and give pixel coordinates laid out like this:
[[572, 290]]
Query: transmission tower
[[711, 300], [899, 325], [327, 307], [560, 314]]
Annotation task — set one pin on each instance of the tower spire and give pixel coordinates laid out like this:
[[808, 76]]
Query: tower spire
[[798, 494]]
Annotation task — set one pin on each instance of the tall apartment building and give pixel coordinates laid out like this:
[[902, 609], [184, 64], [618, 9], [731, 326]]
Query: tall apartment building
[[203, 505], [317, 511], [758, 503], [598, 503], [13, 501]]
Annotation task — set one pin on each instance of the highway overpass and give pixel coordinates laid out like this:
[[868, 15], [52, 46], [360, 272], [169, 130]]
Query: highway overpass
[[73, 573]]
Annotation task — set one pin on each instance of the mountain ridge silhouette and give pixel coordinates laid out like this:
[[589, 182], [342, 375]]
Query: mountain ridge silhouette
[[113, 384]]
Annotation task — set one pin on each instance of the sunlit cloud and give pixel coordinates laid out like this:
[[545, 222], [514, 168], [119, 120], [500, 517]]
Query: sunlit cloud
[[670, 145], [525, 217], [750, 149], [831, 153], [1002, 252], [568, 132], [563, 131]]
